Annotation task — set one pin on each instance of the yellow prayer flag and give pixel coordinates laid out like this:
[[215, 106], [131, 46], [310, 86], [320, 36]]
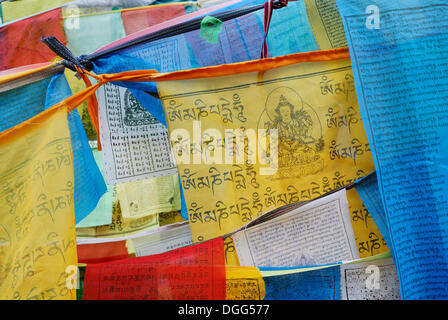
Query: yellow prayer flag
[[326, 24], [248, 143], [368, 238], [231, 256], [38, 256], [23, 8], [166, 218], [149, 196], [244, 283], [120, 226]]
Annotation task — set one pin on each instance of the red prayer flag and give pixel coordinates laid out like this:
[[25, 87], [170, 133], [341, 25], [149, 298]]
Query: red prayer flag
[[195, 272], [167, 24], [20, 41], [102, 252], [136, 20]]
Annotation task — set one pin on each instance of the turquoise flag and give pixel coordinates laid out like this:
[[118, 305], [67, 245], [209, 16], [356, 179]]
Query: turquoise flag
[[399, 51]]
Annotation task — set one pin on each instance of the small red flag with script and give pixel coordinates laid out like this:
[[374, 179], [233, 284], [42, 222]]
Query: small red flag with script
[[195, 272]]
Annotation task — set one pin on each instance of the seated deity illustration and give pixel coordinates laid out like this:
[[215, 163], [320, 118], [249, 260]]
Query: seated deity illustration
[[134, 113], [299, 132]]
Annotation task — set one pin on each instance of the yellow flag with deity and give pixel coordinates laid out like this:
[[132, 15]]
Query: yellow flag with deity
[[255, 136]]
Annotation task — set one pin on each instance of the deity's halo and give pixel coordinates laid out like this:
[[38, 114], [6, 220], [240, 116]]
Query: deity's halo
[[274, 97]]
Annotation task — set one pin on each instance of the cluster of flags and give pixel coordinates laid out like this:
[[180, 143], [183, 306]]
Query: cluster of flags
[[239, 150]]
